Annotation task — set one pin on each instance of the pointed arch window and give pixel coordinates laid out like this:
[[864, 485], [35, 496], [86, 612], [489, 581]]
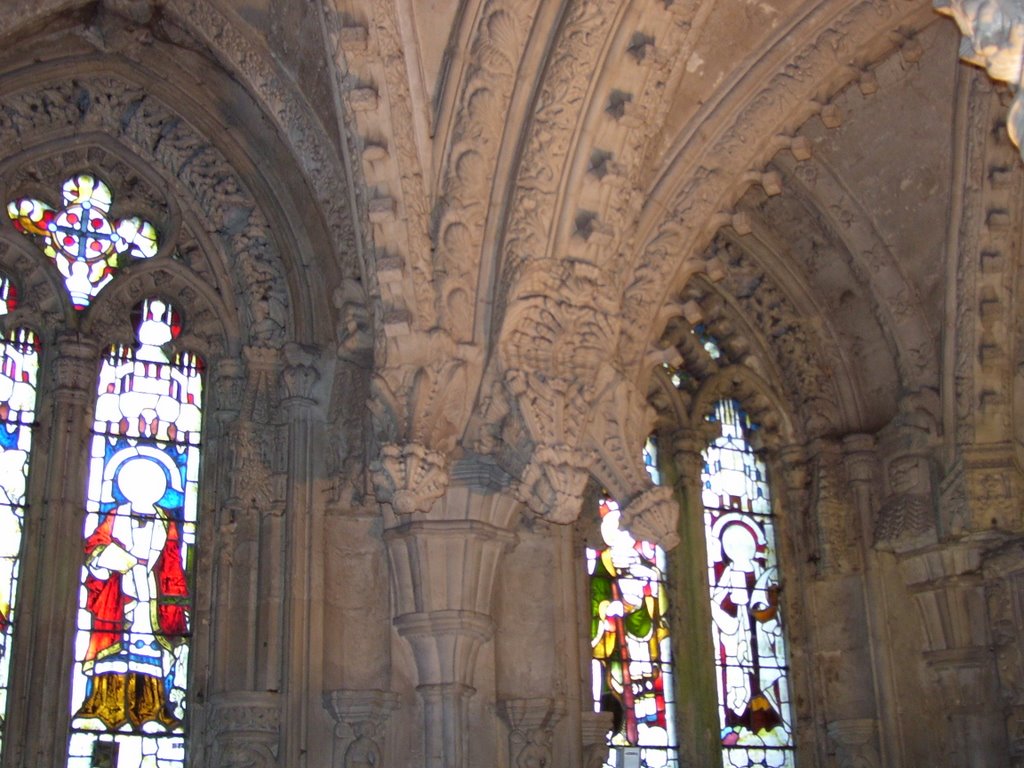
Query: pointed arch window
[[131, 665], [630, 643], [747, 630], [19, 369]]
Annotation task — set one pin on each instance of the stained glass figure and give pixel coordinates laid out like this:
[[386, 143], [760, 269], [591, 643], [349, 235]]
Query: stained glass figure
[[629, 637], [84, 242], [19, 368], [130, 676], [750, 649]]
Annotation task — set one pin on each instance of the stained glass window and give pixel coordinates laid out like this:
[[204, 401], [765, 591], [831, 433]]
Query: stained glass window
[[19, 368], [747, 630], [629, 637], [85, 243], [130, 678]]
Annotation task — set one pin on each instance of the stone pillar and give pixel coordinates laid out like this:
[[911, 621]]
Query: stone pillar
[[303, 626], [444, 552], [53, 543], [949, 590], [246, 615], [531, 723], [244, 730], [697, 718], [790, 476], [359, 720], [1004, 591]]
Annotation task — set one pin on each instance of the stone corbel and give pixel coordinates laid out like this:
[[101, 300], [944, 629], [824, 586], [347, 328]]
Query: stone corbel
[[359, 719], [531, 725], [553, 481], [994, 40], [409, 478], [653, 516], [244, 728]]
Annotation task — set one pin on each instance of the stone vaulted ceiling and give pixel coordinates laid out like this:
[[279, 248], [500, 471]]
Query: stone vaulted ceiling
[[538, 200]]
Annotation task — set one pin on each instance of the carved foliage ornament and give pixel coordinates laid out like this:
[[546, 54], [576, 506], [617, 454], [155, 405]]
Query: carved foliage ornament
[[654, 516], [552, 483], [409, 477]]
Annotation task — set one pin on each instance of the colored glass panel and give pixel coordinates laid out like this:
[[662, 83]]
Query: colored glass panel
[[747, 629], [85, 243], [630, 644], [19, 368], [130, 678]]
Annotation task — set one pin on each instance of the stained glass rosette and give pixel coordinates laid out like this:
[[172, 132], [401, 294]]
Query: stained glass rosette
[[19, 369], [85, 243], [747, 630], [630, 643], [130, 679]]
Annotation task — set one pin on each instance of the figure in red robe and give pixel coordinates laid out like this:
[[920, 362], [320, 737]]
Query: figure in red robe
[[137, 594]]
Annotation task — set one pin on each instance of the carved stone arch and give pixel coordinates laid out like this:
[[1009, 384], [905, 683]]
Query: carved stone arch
[[43, 304], [198, 174], [301, 220], [766, 408], [756, 324], [671, 406], [41, 167], [707, 171], [210, 329]]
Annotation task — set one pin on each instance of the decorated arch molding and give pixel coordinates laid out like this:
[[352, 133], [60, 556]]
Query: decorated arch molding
[[131, 130], [831, 45]]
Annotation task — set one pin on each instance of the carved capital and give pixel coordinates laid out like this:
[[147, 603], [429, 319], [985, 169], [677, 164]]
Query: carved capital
[[980, 493], [245, 729], [409, 477], [300, 374], [552, 483], [531, 724], [74, 371], [228, 389], [653, 516], [860, 458], [359, 719]]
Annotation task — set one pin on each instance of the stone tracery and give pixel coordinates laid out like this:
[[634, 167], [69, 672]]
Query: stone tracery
[[437, 273]]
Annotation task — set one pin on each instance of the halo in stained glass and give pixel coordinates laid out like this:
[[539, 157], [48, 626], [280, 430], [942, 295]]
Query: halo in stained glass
[[130, 676]]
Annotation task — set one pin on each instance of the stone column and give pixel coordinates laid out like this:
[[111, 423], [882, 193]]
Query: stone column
[[444, 547], [949, 590], [1004, 590], [303, 626], [359, 720], [246, 615], [53, 544], [696, 692], [789, 477], [531, 723]]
